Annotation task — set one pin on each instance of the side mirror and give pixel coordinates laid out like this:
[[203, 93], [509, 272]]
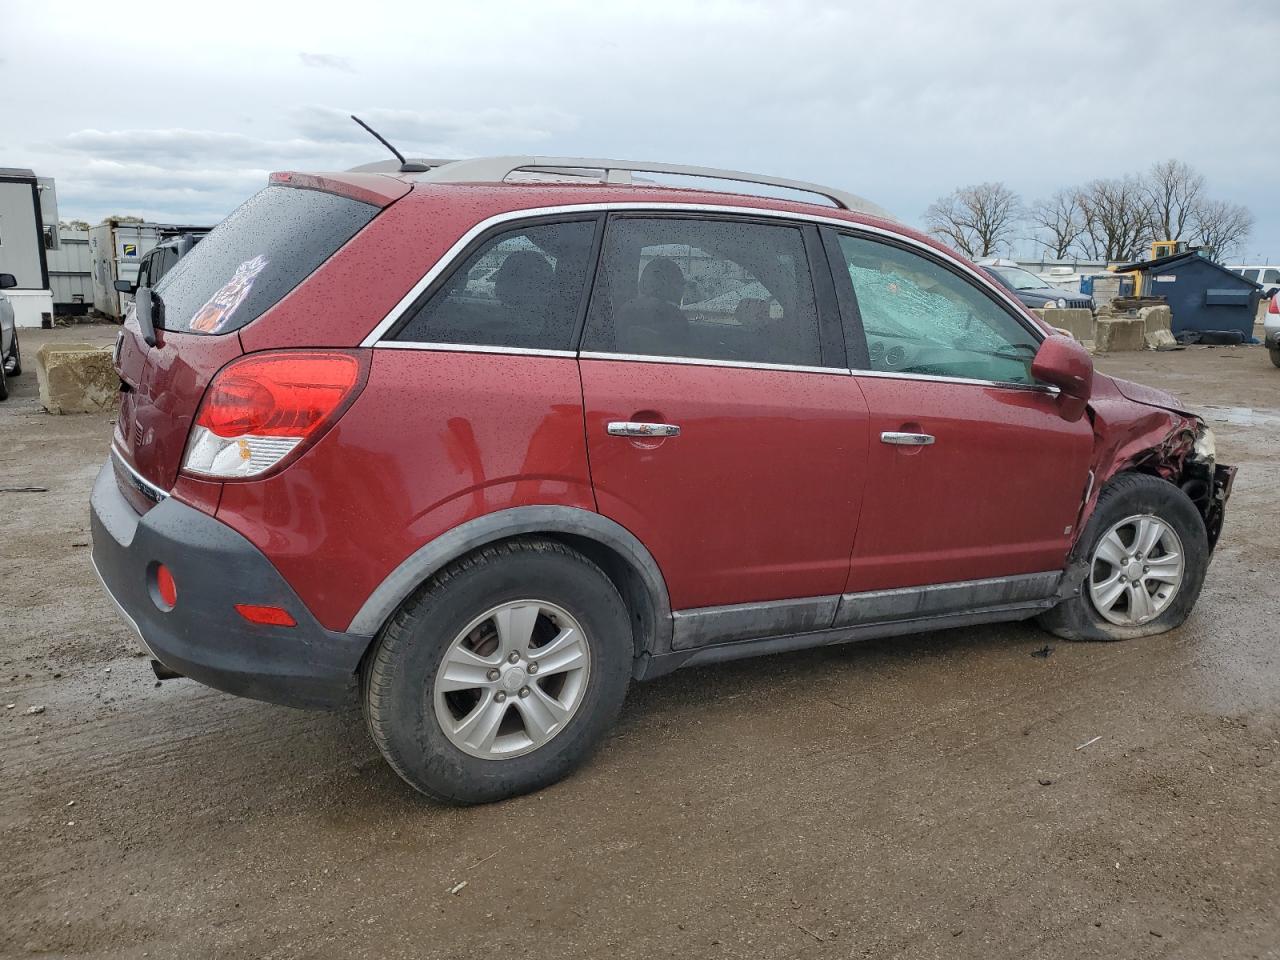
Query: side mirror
[[7, 280], [124, 286], [1064, 363], [149, 311]]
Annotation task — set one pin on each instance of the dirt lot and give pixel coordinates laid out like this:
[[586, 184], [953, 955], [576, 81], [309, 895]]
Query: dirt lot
[[914, 798]]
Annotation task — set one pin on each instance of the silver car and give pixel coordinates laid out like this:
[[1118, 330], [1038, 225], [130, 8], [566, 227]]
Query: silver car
[[1271, 328], [10, 356]]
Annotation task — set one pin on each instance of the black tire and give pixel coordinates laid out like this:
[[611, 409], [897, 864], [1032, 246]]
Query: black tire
[[1275, 355], [4, 384], [1130, 494], [400, 673], [15, 354]]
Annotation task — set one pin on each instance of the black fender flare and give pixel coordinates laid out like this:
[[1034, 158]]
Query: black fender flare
[[520, 521]]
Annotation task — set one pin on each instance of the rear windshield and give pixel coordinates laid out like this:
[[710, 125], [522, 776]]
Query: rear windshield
[[257, 255]]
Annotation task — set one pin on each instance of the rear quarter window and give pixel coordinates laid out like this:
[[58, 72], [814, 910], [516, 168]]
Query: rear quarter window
[[251, 260]]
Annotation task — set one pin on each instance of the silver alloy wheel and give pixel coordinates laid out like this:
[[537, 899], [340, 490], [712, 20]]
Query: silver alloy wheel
[[512, 680], [1136, 570]]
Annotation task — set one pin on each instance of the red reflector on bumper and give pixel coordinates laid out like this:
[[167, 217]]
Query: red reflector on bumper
[[166, 587], [268, 616]]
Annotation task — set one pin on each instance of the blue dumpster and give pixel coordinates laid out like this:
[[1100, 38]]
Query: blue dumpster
[[1202, 294]]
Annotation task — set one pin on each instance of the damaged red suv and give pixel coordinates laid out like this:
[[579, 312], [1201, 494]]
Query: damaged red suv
[[479, 443]]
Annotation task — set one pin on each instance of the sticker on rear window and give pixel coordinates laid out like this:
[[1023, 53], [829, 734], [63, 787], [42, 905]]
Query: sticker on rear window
[[217, 310]]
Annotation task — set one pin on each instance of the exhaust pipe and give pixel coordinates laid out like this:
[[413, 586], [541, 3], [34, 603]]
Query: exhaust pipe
[[164, 673]]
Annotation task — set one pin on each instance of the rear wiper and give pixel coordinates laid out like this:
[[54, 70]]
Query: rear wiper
[[149, 309]]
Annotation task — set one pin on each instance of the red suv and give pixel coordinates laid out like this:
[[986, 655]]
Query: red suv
[[483, 443]]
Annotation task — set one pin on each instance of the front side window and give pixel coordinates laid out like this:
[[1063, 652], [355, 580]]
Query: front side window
[[919, 317], [704, 289], [521, 288]]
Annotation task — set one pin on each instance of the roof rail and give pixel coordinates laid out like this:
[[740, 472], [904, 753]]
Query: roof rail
[[497, 169]]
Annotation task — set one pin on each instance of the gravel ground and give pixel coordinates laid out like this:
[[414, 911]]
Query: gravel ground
[[920, 797]]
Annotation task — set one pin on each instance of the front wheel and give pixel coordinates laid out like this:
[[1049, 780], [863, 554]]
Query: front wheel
[[501, 674], [15, 357], [1147, 553]]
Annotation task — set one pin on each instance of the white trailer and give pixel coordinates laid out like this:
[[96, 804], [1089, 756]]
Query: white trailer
[[116, 248], [28, 230]]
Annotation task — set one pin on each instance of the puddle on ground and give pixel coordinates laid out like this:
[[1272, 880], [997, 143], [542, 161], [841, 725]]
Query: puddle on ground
[[1242, 416]]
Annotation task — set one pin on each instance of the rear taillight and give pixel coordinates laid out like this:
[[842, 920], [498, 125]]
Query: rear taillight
[[1274, 305], [264, 409]]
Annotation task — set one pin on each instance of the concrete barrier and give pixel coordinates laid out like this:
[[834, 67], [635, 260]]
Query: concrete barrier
[[1114, 334], [76, 378], [1078, 322]]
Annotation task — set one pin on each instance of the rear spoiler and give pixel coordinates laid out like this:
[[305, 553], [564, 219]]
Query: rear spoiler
[[372, 188]]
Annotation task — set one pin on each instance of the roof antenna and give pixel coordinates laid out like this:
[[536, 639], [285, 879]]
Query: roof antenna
[[406, 166]]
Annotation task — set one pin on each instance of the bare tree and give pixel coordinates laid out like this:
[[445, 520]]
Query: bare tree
[[976, 220], [1221, 225], [1061, 217], [1117, 218], [73, 224], [1173, 190]]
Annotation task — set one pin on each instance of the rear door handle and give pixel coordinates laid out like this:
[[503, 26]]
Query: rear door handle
[[630, 428], [906, 439]]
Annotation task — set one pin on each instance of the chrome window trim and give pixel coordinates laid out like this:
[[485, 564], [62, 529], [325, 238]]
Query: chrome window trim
[[471, 348], [141, 483], [446, 261], [706, 362], [936, 378]]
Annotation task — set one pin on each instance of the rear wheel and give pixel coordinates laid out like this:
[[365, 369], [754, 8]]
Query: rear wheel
[[1275, 356], [4, 384], [501, 674], [1147, 553], [15, 357]]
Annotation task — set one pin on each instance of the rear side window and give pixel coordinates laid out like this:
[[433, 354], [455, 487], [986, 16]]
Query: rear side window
[[521, 288], [704, 289], [251, 260]]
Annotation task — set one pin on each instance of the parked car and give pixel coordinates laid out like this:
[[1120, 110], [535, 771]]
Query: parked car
[[10, 352], [459, 447], [162, 258], [1271, 329], [1268, 277], [1031, 291]]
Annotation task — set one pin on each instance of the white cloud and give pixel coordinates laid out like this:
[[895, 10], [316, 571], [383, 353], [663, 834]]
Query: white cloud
[[326, 61], [899, 100]]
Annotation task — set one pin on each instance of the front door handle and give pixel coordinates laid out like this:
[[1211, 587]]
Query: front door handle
[[906, 439], [629, 428]]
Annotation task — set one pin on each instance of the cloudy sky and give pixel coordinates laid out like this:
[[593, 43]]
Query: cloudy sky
[[178, 115]]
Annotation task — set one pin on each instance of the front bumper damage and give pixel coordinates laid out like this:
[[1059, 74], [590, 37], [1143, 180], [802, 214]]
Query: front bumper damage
[[1209, 484]]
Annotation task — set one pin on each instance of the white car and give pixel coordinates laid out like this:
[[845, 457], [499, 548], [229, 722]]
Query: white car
[[10, 357], [1271, 328]]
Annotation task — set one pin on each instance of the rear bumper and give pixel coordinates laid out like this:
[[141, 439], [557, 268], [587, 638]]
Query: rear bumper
[[203, 637]]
